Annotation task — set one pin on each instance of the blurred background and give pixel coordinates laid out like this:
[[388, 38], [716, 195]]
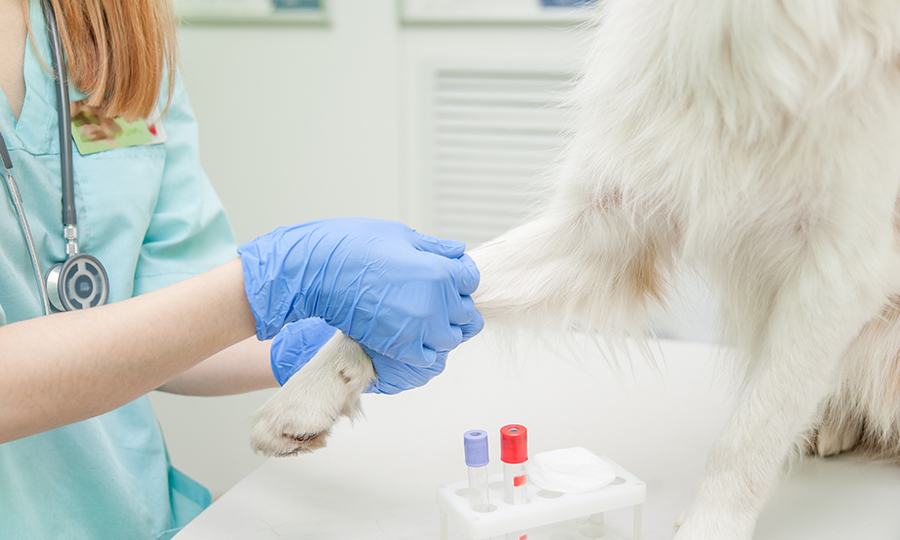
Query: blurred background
[[444, 114]]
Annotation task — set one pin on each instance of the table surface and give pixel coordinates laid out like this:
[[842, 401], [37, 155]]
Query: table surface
[[377, 478]]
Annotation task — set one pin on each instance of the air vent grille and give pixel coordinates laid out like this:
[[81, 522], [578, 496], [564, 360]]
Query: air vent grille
[[493, 134]]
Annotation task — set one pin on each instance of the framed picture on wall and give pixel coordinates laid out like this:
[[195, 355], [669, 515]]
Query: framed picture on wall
[[253, 11], [495, 11]]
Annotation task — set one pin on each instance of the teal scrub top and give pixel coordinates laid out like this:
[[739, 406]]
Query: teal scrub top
[[149, 214]]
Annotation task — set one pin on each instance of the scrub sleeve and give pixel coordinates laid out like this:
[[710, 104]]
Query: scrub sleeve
[[149, 214]]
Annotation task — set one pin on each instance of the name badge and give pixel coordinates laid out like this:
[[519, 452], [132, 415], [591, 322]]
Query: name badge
[[94, 132]]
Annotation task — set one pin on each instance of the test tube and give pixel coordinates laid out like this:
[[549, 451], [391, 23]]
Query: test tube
[[514, 455], [476, 446]]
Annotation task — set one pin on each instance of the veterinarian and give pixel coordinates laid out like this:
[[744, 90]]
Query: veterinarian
[[81, 453]]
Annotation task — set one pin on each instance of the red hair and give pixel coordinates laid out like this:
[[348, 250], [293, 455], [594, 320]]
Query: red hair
[[119, 52]]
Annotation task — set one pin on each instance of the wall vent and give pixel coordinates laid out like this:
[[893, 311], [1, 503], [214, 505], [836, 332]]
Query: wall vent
[[493, 133]]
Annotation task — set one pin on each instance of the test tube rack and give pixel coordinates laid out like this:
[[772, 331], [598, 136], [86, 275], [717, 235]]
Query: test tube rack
[[547, 515]]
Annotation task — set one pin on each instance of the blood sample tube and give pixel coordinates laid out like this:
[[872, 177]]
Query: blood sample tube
[[514, 455], [476, 446]]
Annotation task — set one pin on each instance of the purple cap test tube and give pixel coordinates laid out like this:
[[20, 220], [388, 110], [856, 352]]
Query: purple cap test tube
[[476, 444], [476, 447]]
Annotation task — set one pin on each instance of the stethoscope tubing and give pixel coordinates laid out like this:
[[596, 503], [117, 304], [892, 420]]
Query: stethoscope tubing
[[16, 199], [65, 115]]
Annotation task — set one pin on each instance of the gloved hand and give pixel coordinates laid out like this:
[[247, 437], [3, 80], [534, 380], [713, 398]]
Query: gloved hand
[[398, 292], [296, 344], [299, 341], [395, 376]]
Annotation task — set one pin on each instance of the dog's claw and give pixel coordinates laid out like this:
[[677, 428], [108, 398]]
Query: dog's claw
[[303, 438], [302, 444], [836, 436]]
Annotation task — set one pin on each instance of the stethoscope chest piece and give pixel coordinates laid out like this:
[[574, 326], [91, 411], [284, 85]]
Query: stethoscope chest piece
[[79, 283]]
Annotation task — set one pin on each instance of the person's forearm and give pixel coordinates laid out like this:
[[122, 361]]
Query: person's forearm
[[243, 367], [71, 366]]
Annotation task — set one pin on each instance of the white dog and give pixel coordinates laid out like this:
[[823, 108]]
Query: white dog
[[758, 140]]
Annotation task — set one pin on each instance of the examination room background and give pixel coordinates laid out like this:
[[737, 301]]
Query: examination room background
[[307, 121]]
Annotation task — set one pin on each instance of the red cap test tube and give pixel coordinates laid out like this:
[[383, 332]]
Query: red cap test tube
[[514, 455]]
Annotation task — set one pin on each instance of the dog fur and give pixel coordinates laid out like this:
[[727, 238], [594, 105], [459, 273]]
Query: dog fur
[[759, 142]]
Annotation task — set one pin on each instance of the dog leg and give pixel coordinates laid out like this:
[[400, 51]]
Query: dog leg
[[523, 273], [604, 263], [299, 417], [812, 318]]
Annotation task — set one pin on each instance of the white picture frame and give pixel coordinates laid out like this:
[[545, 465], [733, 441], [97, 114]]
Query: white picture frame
[[253, 11], [491, 11]]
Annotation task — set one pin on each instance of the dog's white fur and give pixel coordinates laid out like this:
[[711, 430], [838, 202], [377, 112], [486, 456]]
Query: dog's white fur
[[298, 418], [757, 140]]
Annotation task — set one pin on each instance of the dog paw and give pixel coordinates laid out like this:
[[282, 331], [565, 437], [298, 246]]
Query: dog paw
[[278, 432], [834, 437], [299, 417]]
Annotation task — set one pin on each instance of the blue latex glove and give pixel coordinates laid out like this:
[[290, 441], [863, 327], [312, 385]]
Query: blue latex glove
[[395, 376], [299, 341], [400, 293], [295, 346]]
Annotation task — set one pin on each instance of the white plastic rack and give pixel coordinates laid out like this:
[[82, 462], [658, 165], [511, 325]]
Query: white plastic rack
[[547, 515]]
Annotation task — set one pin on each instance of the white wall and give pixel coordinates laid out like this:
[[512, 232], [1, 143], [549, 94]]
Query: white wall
[[299, 122], [305, 122]]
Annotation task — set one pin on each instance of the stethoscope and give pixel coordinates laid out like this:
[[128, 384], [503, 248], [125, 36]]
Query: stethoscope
[[81, 281]]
